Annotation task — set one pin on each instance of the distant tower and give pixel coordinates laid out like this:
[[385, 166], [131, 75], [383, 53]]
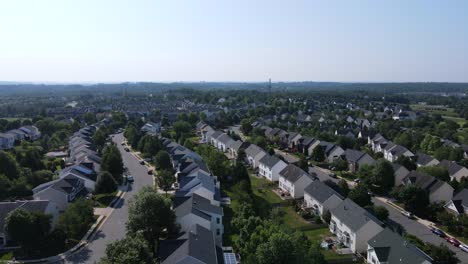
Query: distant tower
[[269, 86]]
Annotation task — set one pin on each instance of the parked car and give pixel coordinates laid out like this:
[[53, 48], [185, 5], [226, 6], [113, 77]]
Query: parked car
[[333, 175], [150, 172], [438, 232], [463, 247], [130, 178], [127, 149], [407, 214], [123, 143], [357, 180], [453, 241], [142, 162]]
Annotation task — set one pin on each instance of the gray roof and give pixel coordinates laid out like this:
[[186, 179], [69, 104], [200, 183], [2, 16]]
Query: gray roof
[[253, 150], [30, 206], [451, 166], [197, 243], [423, 159], [320, 191], [352, 215], [292, 173], [269, 160], [224, 138], [392, 248], [66, 185], [216, 134], [353, 155], [197, 205]]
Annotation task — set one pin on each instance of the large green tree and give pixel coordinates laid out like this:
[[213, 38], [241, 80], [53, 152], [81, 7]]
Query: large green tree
[[383, 175], [150, 213], [77, 218], [131, 249], [163, 160], [105, 183], [112, 162]]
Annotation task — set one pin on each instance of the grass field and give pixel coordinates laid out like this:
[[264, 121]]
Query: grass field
[[435, 109]]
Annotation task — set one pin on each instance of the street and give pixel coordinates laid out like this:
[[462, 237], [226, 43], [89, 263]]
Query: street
[[114, 226]]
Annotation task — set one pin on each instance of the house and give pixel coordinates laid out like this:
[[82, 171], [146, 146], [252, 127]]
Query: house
[[83, 171], [253, 154], [388, 247], [18, 134], [151, 128], [377, 143], [7, 141], [236, 146], [405, 115], [321, 197], [223, 141], [270, 166], [199, 210], [61, 192], [330, 150], [423, 160], [456, 172], [459, 203], [439, 191], [41, 206], [356, 158], [353, 225], [213, 139], [393, 151], [32, 132], [400, 173], [293, 180], [293, 141], [304, 143], [201, 183], [196, 245]]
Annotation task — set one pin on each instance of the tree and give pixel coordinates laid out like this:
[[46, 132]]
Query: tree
[[383, 175], [149, 213], [303, 164], [180, 128], [165, 179], [32, 159], [439, 172], [414, 199], [407, 162], [318, 154], [327, 216], [441, 254], [8, 165], [89, 118], [380, 212], [105, 183], [163, 160], [131, 249], [344, 188], [28, 229], [99, 138], [246, 126], [77, 218], [360, 196], [112, 162], [339, 165]]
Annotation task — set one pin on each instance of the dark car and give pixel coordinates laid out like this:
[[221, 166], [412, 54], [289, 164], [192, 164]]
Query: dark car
[[453, 241], [438, 232], [127, 149], [130, 178], [142, 162], [150, 172]]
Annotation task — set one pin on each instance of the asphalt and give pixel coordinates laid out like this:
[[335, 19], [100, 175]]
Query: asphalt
[[114, 226]]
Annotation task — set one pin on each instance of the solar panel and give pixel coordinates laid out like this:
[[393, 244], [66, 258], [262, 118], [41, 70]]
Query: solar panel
[[230, 258]]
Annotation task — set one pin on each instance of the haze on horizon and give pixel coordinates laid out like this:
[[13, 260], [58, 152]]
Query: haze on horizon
[[164, 41]]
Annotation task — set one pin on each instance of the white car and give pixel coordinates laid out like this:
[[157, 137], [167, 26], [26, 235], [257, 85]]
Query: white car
[[463, 247]]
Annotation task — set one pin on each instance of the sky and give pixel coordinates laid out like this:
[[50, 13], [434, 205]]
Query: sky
[[239, 40]]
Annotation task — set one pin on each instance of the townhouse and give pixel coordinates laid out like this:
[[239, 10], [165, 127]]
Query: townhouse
[[356, 158], [456, 171], [270, 166], [353, 225], [253, 154], [388, 247], [423, 160], [438, 191], [223, 142], [236, 146], [7, 141], [293, 180], [151, 128], [321, 198], [400, 173], [459, 203]]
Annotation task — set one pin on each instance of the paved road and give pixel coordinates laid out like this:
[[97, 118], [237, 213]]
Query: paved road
[[419, 230], [114, 226]]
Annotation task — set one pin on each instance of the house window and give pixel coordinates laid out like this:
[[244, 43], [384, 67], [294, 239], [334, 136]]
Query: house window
[[218, 232], [218, 220]]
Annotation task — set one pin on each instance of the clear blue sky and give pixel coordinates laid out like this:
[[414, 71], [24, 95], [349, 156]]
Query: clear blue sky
[[241, 40]]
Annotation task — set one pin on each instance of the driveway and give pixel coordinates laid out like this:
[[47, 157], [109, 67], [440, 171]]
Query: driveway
[[114, 226], [419, 230]]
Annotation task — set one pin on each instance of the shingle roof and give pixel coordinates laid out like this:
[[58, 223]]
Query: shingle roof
[[353, 155], [423, 159], [253, 150], [352, 215], [197, 205], [292, 173], [392, 248], [31, 206], [320, 191], [451, 166], [269, 160], [198, 243]]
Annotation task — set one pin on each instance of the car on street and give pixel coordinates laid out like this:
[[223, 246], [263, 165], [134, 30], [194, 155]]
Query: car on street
[[407, 214], [130, 178], [438, 232], [123, 143], [333, 175], [357, 180], [142, 162], [463, 247], [127, 149], [453, 241], [150, 172]]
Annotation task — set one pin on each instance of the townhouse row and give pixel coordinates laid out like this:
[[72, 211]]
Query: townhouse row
[[8, 139]]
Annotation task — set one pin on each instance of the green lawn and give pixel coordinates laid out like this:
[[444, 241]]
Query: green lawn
[[104, 199], [460, 121]]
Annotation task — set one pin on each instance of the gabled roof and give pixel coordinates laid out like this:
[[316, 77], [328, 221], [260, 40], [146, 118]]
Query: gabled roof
[[65, 185], [216, 134], [320, 191], [460, 200], [197, 243], [293, 173], [253, 150], [269, 160], [451, 166], [392, 248], [30, 206], [197, 205], [353, 155], [224, 138], [352, 215]]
